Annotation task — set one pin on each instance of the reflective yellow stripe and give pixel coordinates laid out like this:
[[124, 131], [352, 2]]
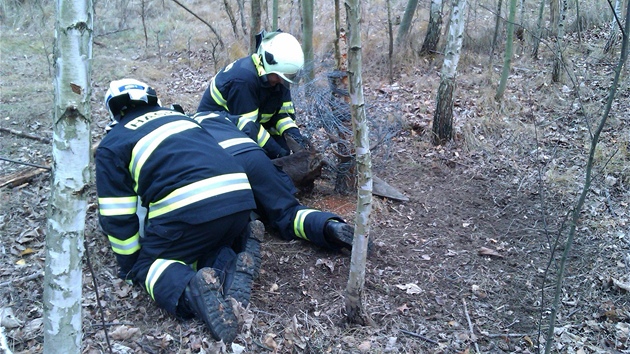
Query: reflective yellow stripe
[[201, 118], [298, 222], [246, 118], [125, 247], [265, 117], [114, 206], [284, 124], [145, 146], [259, 67], [262, 137], [194, 192], [156, 270], [217, 96], [236, 141], [287, 107]]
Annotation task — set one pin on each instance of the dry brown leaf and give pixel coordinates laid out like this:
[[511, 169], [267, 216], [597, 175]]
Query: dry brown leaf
[[124, 332], [484, 251], [327, 262]]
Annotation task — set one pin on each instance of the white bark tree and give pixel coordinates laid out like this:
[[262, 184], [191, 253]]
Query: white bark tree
[[443, 116], [356, 278], [70, 177]]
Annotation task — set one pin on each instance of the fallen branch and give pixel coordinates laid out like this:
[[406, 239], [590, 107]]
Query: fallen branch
[[21, 177], [25, 135], [419, 336], [470, 326], [24, 163], [26, 278]]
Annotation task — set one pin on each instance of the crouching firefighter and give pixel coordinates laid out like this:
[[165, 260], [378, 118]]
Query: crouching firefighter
[[274, 191], [198, 201]]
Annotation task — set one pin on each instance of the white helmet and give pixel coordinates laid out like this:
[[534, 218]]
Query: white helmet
[[281, 54], [123, 92]]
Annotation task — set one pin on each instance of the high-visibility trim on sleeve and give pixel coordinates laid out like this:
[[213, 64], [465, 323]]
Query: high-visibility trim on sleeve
[[265, 117], [114, 206], [217, 96], [287, 108], [298, 222], [200, 118], [247, 118], [236, 141], [155, 271], [145, 146], [262, 137], [125, 247], [285, 123], [194, 192]]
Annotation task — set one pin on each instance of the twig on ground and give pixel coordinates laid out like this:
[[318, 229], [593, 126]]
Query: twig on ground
[[419, 336], [26, 278], [470, 326], [25, 135], [504, 335], [25, 163]]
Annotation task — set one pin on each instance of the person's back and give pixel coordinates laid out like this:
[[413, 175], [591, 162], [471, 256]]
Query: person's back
[[198, 202], [163, 151]]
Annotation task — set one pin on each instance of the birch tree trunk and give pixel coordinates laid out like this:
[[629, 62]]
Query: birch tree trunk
[[610, 43], [509, 48], [495, 36], [434, 28], [356, 279], [337, 36], [70, 177], [443, 116]]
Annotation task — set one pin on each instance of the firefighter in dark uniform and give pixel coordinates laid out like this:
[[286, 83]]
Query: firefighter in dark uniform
[[255, 90], [274, 191], [198, 201]]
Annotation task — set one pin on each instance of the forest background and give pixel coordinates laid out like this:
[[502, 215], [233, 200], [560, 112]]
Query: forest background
[[466, 264]]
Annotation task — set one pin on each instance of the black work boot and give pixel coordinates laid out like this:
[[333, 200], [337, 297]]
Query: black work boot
[[203, 296], [247, 265]]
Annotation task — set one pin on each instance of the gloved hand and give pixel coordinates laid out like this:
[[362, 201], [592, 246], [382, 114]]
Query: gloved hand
[[294, 134]]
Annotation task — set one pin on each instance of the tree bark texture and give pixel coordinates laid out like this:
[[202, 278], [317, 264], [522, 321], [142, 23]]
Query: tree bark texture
[[558, 62], [255, 24], [443, 116], [509, 48], [356, 278], [307, 38], [71, 177], [434, 28], [405, 23]]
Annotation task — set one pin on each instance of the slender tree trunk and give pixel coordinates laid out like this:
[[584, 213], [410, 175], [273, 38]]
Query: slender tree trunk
[[307, 38], [509, 47], [230, 14], [579, 20], [255, 24], [405, 23], [497, 23], [241, 10], [575, 216], [554, 12], [71, 177], [356, 279], [558, 62], [337, 36], [443, 116], [434, 29], [390, 47], [539, 29], [275, 13]]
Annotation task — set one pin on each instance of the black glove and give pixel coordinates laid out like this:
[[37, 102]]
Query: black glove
[[294, 134], [283, 153]]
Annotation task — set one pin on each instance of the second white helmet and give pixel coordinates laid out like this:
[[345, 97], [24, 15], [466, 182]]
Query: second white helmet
[[281, 54]]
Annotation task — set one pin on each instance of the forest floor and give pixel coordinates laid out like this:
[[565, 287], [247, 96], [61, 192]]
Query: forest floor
[[467, 264]]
